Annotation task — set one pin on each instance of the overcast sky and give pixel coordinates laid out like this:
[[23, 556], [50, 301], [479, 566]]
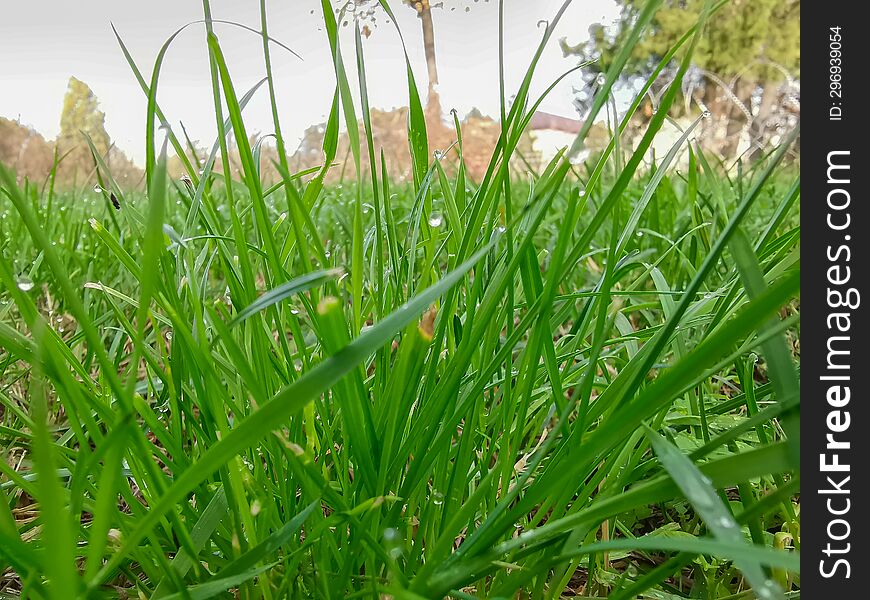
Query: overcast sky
[[43, 43]]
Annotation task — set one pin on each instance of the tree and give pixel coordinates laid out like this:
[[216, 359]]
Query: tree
[[24, 150], [81, 114], [424, 13], [365, 10], [749, 50]]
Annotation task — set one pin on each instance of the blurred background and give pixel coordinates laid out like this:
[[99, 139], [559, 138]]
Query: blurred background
[[63, 73]]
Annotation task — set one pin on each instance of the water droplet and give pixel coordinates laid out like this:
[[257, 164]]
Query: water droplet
[[725, 522], [768, 590], [705, 114], [25, 284], [294, 311], [435, 220], [639, 234], [437, 498], [391, 534], [393, 542], [601, 79], [97, 189]]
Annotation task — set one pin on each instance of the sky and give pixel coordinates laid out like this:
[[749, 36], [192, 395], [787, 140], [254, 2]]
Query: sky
[[44, 42]]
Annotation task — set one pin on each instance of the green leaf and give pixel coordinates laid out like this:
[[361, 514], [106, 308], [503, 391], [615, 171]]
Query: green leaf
[[699, 491]]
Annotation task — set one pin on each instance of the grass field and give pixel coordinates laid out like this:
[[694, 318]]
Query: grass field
[[582, 382]]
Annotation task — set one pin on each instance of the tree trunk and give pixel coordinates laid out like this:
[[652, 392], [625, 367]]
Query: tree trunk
[[736, 118], [424, 12], [714, 137], [759, 124]]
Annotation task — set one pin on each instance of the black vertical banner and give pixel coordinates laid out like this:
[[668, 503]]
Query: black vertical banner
[[835, 266]]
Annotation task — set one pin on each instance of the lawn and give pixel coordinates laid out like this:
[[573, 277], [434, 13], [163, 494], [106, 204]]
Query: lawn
[[580, 380]]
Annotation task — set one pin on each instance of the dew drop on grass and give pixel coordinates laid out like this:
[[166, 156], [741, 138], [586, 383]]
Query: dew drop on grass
[[25, 284], [725, 522], [437, 498], [768, 590], [97, 189], [601, 79], [706, 114], [435, 220], [393, 542]]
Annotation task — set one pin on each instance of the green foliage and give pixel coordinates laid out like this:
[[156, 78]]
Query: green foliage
[[741, 40], [81, 115], [417, 390]]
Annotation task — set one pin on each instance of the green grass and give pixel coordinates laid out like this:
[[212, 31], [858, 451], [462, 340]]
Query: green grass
[[582, 380]]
